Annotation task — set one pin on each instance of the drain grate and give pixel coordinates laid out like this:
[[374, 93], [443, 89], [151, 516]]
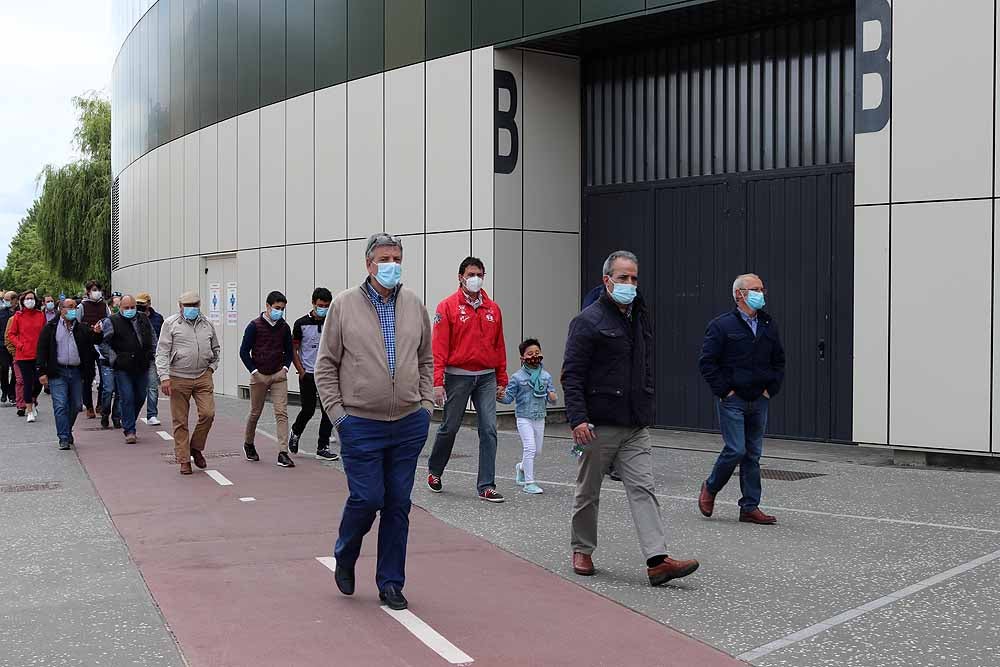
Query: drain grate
[[31, 486], [168, 457], [788, 475]]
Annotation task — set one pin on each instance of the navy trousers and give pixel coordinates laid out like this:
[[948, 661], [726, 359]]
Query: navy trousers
[[380, 461]]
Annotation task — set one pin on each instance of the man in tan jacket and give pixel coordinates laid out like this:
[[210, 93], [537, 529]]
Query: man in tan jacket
[[186, 357], [374, 373]]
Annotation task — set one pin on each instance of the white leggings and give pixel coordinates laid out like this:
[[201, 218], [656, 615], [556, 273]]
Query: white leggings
[[532, 436]]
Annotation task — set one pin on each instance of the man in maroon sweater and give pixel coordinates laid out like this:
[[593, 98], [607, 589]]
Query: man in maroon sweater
[[267, 353]]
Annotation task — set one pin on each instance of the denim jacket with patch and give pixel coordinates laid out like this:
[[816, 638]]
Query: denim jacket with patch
[[519, 392]]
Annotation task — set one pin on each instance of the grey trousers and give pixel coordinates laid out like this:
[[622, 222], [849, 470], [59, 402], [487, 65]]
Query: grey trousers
[[631, 450]]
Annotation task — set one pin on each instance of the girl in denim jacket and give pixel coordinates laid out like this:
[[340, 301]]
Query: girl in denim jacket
[[531, 389]]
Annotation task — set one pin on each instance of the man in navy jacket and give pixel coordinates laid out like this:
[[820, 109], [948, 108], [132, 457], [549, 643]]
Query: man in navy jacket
[[743, 361]]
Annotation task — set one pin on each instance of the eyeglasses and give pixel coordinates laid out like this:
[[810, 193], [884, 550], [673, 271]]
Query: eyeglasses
[[761, 290]]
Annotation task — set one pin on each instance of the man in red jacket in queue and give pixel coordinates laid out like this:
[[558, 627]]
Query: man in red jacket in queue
[[470, 361]]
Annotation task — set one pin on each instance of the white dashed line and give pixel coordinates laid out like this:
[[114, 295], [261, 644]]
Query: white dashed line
[[144, 420], [165, 435], [218, 477], [248, 499], [861, 610], [430, 637]]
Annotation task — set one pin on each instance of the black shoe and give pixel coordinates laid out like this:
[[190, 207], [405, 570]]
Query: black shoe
[[20, 413], [434, 483], [117, 423], [64, 445], [105, 422], [345, 579], [393, 598], [293, 443], [251, 452], [324, 454], [491, 496], [285, 461]]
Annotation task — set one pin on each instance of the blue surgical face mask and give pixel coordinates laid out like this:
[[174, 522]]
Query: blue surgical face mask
[[128, 313], [191, 312], [276, 314], [321, 312], [623, 293], [389, 274], [71, 315], [49, 305], [755, 299]]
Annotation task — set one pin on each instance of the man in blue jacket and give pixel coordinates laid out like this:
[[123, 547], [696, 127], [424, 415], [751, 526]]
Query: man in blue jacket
[[608, 384], [744, 364]]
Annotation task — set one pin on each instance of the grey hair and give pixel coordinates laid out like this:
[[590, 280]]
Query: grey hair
[[740, 281], [380, 240], [619, 254]]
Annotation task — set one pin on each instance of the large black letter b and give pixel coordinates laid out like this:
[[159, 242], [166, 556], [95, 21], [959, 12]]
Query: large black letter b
[[504, 120]]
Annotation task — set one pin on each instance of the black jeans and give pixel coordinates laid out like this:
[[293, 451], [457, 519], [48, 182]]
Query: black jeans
[[308, 396], [29, 378], [88, 371], [6, 378]]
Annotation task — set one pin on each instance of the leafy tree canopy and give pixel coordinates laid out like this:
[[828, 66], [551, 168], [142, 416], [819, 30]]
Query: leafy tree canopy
[[27, 267]]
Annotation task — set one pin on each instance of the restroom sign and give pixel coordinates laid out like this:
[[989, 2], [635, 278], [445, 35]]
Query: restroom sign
[[232, 312], [215, 303]]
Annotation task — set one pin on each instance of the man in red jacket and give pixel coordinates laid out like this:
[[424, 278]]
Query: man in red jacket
[[470, 360]]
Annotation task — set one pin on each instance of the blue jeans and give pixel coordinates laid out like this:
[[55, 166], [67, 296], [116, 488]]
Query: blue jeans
[[152, 392], [131, 394], [743, 424], [380, 460], [483, 391], [67, 401], [110, 400]]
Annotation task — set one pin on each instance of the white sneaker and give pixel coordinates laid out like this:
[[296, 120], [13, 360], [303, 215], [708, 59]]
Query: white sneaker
[[31, 417], [153, 421]]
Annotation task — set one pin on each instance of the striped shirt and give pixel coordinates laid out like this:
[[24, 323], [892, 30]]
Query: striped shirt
[[387, 319]]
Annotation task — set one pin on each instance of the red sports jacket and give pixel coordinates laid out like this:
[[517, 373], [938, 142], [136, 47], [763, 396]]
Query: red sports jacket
[[469, 338]]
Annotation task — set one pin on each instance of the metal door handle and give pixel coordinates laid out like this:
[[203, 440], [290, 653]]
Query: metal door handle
[[821, 348]]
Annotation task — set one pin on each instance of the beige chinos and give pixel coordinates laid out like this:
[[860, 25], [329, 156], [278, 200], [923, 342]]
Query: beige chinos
[[277, 385]]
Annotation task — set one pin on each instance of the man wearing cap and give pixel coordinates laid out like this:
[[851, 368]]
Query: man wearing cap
[[187, 355], [145, 305]]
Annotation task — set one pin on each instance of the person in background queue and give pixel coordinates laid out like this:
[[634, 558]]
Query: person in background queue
[[186, 358], [50, 308], [374, 373], [23, 331], [743, 362], [470, 360], [64, 346], [94, 310], [128, 344], [306, 334], [608, 384], [144, 303], [266, 352], [7, 382]]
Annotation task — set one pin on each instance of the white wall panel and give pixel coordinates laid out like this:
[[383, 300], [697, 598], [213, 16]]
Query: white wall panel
[[940, 334], [331, 163], [300, 173], [871, 324], [247, 295], [228, 197], [483, 123], [404, 150], [176, 198], [272, 276], [248, 179], [164, 299], [141, 183], [449, 137], [299, 284], [331, 266], [414, 265], [942, 100], [365, 206], [208, 218], [152, 206], [508, 287], [165, 218], [507, 188], [356, 271], [444, 253], [871, 150], [272, 175], [482, 247], [177, 282], [550, 142], [192, 279], [192, 186]]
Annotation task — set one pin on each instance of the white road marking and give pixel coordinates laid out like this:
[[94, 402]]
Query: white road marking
[[860, 517], [165, 435], [267, 435], [861, 610], [218, 477], [144, 420], [430, 637], [248, 499]]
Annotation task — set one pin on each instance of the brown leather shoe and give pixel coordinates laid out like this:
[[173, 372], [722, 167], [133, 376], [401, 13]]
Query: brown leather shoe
[[706, 500], [670, 569], [91, 414], [758, 517], [583, 564], [186, 468], [130, 439], [199, 458]]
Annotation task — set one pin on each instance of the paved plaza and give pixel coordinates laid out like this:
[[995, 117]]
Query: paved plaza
[[112, 558]]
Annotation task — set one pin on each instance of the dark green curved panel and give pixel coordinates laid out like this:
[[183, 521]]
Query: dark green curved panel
[[404, 33], [448, 27], [365, 38]]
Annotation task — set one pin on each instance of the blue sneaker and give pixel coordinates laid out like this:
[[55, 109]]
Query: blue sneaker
[[532, 488], [518, 474]]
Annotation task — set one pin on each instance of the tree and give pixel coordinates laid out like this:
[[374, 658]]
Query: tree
[[73, 213], [27, 267]]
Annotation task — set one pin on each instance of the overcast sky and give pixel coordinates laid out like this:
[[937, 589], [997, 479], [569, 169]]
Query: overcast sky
[[50, 51]]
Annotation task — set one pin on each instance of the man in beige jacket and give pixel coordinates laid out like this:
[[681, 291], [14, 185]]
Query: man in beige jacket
[[186, 357], [374, 373]]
